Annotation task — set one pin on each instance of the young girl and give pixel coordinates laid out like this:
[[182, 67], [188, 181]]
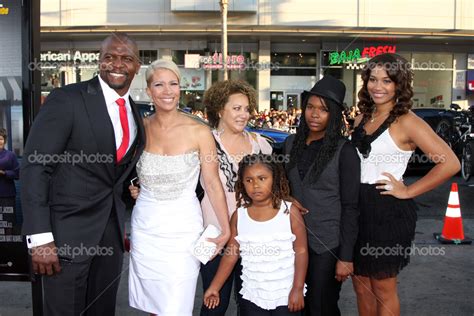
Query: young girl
[[270, 236], [228, 106]]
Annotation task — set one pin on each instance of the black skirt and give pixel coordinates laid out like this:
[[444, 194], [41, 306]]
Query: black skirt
[[386, 231]]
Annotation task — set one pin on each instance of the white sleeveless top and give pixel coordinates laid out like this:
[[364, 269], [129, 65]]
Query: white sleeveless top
[[268, 258], [385, 156]]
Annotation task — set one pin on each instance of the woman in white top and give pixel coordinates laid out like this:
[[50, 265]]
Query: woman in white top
[[228, 105], [386, 135], [167, 219], [270, 236]]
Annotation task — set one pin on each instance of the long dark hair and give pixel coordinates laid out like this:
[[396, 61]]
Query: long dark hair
[[399, 71], [334, 132], [280, 186]]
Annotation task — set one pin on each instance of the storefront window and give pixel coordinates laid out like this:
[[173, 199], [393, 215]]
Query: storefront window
[[148, 56], [59, 68], [432, 84], [178, 55], [11, 83], [293, 64], [248, 74]]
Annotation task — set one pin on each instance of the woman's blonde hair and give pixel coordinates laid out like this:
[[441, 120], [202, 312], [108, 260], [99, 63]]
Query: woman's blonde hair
[[162, 64]]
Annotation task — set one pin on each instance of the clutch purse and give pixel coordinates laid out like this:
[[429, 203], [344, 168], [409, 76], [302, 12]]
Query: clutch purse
[[203, 250]]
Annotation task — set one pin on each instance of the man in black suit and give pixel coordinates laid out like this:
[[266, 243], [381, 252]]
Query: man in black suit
[[83, 144]]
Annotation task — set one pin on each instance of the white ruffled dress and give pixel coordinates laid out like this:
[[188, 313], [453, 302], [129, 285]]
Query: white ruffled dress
[[268, 258]]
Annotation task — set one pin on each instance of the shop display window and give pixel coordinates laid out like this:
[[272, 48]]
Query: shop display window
[[293, 64]]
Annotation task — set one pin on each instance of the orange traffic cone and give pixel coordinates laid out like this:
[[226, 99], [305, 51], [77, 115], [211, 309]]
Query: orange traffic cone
[[453, 232]]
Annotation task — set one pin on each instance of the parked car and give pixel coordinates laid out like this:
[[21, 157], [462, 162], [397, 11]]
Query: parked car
[[440, 120], [454, 127], [275, 137]]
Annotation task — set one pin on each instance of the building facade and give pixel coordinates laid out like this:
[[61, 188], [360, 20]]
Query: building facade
[[280, 47]]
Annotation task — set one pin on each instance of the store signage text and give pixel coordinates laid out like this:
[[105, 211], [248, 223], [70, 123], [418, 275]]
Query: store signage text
[[470, 82], [356, 54], [470, 61], [216, 61], [3, 10], [76, 56]]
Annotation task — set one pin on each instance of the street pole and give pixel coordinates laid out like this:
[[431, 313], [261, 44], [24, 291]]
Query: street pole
[[223, 4]]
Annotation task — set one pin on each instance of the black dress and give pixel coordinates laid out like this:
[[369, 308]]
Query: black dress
[[386, 223]]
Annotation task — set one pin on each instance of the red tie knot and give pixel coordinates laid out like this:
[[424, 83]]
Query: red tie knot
[[120, 102]]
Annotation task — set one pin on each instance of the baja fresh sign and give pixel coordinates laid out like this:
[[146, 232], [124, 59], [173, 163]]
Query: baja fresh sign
[[356, 55]]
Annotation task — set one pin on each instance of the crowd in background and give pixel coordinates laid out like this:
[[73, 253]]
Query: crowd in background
[[287, 120]]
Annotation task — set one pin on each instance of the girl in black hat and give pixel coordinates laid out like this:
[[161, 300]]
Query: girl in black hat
[[386, 135], [324, 172]]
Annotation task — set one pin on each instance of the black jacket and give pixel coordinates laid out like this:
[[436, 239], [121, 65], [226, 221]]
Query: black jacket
[[70, 182], [331, 221]]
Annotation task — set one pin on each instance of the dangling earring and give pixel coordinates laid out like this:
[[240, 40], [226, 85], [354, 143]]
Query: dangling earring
[[152, 106], [219, 131]]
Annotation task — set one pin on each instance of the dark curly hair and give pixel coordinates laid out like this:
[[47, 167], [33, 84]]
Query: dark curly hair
[[3, 133], [216, 97], [334, 132], [280, 187], [399, 71]]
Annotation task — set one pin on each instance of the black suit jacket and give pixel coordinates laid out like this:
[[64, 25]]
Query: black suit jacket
[[70, 180]]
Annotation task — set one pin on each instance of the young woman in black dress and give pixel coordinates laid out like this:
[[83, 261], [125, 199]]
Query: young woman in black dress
[[386, 135]]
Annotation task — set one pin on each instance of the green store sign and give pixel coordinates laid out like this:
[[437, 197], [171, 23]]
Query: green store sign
[[356, 55]]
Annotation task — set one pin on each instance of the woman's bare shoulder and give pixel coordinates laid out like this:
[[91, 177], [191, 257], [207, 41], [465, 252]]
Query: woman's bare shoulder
[[193, 127], [410, 120], [191, 122]]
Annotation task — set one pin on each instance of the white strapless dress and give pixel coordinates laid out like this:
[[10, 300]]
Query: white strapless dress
[[166, 222]]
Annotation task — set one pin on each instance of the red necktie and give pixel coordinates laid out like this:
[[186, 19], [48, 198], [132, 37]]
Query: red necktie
[[126, 133]]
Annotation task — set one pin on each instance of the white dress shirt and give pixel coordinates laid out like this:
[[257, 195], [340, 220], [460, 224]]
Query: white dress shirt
[[110, 96]]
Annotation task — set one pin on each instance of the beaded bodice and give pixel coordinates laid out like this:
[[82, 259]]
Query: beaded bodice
[[169, 177]]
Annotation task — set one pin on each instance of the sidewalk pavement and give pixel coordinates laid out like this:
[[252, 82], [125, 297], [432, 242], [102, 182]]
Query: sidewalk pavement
[[438, 281]]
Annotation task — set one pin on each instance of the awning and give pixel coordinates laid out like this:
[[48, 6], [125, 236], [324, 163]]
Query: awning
[[10, 88]]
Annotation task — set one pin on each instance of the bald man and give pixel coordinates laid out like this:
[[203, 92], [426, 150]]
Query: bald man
[[82, 146]]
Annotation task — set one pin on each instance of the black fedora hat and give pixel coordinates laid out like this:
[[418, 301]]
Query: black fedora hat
[[330, 88]]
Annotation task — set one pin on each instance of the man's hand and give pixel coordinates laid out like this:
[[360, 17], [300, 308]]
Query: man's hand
[[45, 259], [344, 270]]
